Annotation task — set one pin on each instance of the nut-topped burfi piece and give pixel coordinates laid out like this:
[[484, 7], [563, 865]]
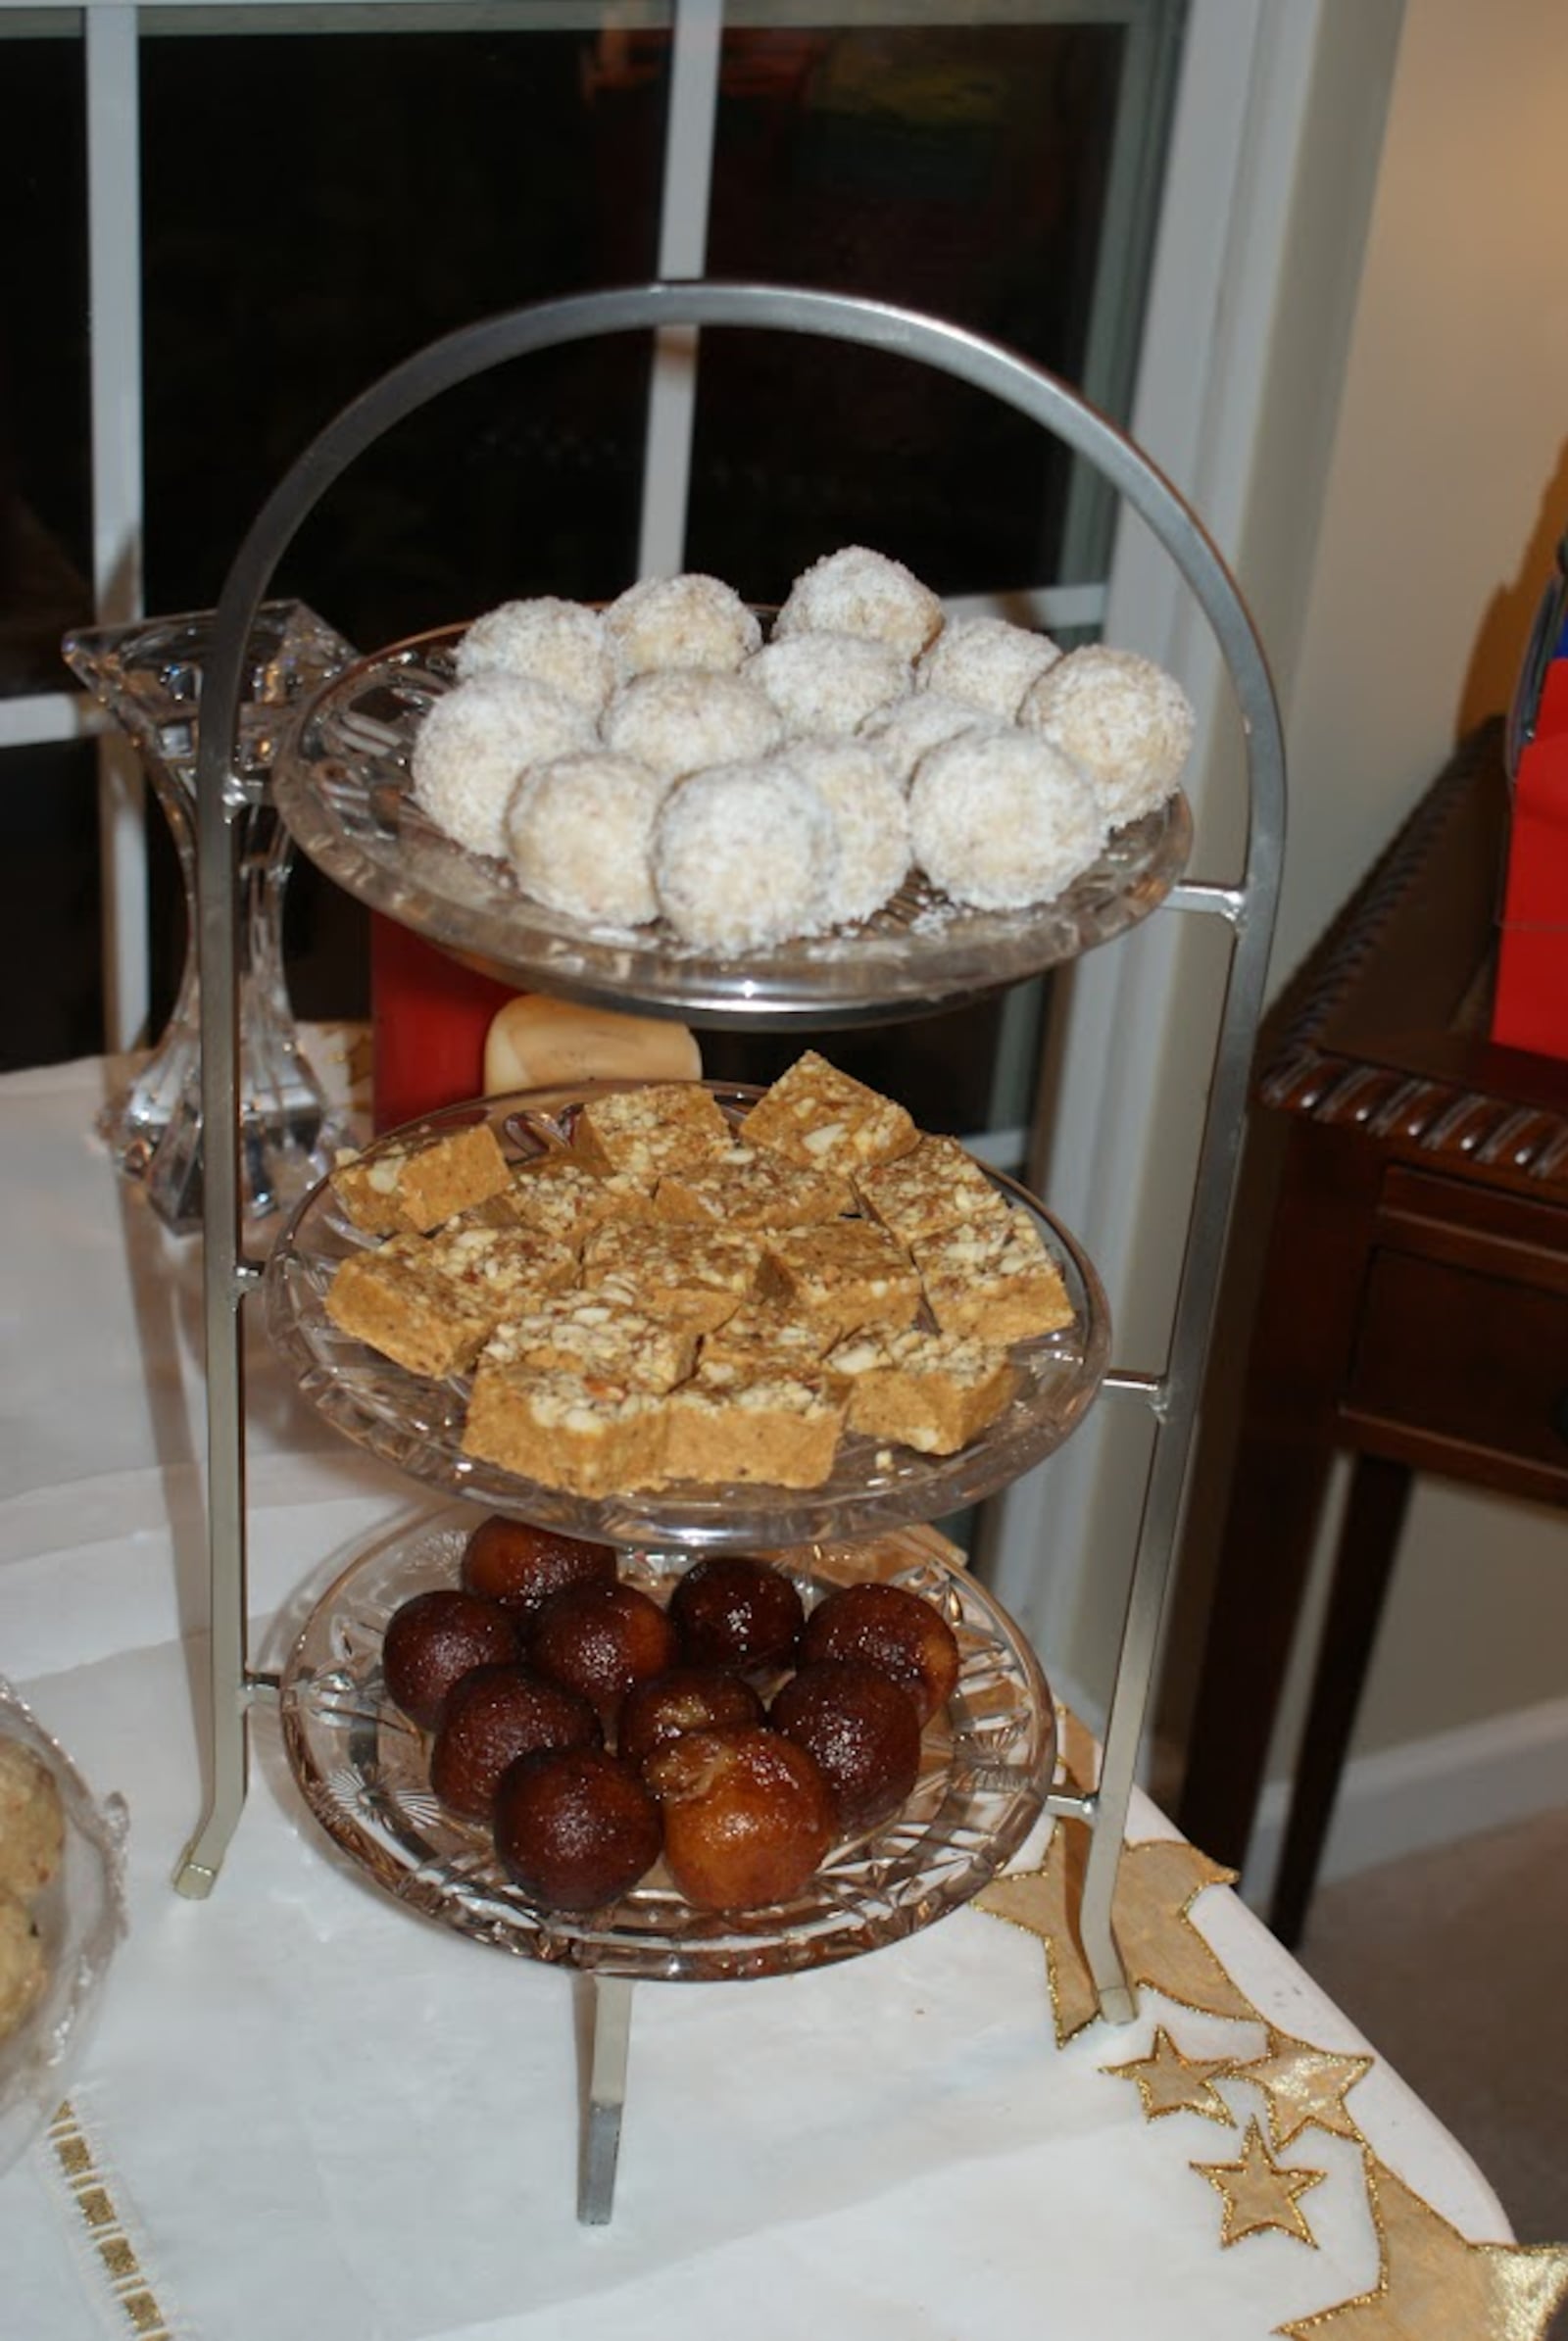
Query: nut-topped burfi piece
[[998, 1283], [763, 1336], [646, 1133], [415, 1188], [586, 1433], [596, 1334], [815, 1115], [429, 1302], [934, 1391], [936, 1185], [842, 1275], [746, 1186], [564, 1196], [774, 1427], [683, 1275]]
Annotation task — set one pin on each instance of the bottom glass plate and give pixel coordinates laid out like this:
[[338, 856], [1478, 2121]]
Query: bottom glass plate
[[364, 1771]]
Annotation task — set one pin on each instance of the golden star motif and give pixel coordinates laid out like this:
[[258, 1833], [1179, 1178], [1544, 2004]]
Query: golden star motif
[[1302, 2086], [1170, 2083], [1259, 2192], [1157, 1884], [1436, 2285]]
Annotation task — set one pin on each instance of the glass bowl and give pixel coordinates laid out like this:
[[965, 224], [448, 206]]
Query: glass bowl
[[417, 1423], [364, 1771]]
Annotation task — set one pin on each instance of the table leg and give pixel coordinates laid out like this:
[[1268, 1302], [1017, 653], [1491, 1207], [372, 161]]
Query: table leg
[[607, 2098]]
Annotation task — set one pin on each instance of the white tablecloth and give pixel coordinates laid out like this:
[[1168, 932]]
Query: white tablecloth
[[305, 2112]]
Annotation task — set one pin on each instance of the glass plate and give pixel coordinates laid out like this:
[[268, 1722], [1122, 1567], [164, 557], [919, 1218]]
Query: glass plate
[[417, 1423], [342, 784], [364, 1771]]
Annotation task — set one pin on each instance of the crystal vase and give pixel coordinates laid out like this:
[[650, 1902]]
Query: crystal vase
[[149, 677]]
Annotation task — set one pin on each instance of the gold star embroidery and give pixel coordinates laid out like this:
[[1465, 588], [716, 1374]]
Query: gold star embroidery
[[1258, 2192], [1157, 1884], [1435, 2286], [1303, 2085], [1170, 2083]]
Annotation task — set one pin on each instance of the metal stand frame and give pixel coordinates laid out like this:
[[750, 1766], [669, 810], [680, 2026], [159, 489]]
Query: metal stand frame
[[1248, 907]]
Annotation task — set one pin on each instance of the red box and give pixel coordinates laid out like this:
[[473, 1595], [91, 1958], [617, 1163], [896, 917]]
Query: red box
[[1530, 1005]]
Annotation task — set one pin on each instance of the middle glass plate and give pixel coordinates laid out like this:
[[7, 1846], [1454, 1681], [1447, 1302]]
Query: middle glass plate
[[418, 1423]]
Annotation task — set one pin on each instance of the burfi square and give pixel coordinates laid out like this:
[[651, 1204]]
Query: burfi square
[[396, 1299], [694, 1277], [594, 1332], [842, 1275], [588, 1433], [561, 1195], [1000, 1284], [777, 1429], [818, 1116], [664, 1126], [397, 1190], [764, 1336], [746, 1186], [936, 1185], [933, 1392]]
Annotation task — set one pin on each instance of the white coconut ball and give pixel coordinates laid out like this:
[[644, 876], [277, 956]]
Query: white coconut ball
[[1001, 819], [827, 685], [870, 817], [551, 641], [744, 856], [680, 718], [476, 742], [580, 831], [988, 661], [689, 621], [1122, 718], [907, 729], [856, 591]]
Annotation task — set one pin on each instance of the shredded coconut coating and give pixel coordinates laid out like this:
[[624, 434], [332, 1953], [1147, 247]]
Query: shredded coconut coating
[[987, 662], [682, 719], [909, 728], [1122, 718], [580, 831], [743, 857], [1000, 819], [476, 742], [870, 817], [827, 685], [689, 621], [550, 641], [856, 591]]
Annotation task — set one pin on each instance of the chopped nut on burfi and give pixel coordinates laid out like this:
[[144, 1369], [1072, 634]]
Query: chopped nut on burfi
[[930, 1391], [665, 1126], [560, 1194], [396, 1189], [588, 1433], [694, 1277], [776, 1428], [581, 1332], [936, 1185], [763, 1336], [815, 1114], [842, 1275], [747, 1188], [998, 1283], [429, 1302]]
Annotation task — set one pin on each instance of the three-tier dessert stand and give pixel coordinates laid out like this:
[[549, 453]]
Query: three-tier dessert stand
[[913, 981]]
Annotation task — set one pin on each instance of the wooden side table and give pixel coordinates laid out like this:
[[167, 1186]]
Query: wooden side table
[[1414, 1299]]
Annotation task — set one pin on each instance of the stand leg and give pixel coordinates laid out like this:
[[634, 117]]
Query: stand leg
[[607, 2098]]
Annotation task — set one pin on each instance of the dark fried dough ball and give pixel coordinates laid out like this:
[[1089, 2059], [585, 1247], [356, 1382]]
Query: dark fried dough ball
[[575, 1826], [600, 1639], [521, 1566], [492, 1717], [862, 1731], [897, 1632], [748, 1816], [432, 1640], [687, 1698], [730, 1609]]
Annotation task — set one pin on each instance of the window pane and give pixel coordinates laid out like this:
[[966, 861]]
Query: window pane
[[50, 968]]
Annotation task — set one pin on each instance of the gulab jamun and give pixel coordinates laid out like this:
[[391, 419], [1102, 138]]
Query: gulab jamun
[[432, 1640], [898, 1633], [686, 1698], [748, 1816], [600, 1639], [521, 1566], [863, 1732], [575, 1827], [731, 1610], [492, 1717]]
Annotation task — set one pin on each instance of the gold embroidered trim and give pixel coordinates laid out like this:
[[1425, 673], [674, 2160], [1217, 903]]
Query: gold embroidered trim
[[104, 2240]]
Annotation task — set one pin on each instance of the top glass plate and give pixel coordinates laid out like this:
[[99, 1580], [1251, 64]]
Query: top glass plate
[[417, 1423], [341, 783]]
